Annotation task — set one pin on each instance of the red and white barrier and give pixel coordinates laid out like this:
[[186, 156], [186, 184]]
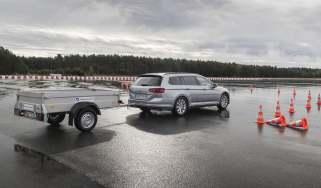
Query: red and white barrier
[[107, 78], [128, 78]]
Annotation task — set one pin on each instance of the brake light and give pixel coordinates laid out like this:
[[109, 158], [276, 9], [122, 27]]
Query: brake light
[[157, 90]]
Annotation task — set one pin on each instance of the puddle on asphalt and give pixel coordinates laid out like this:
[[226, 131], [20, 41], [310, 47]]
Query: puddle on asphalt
[[164, 123], [4, 93]]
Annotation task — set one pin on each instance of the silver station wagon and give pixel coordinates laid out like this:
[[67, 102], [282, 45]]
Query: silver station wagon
[[177, 92]]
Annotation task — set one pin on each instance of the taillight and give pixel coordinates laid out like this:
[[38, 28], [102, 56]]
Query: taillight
[[157, 90]]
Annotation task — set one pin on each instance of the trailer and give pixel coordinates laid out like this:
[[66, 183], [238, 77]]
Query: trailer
[[81, 105]]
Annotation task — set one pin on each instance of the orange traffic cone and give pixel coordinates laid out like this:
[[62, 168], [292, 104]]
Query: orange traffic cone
[[309, 95], [278, 109], [319, 100], [294, 93], [279, 121], [308, 104], [291, 108], [260, 119], [299, 125]]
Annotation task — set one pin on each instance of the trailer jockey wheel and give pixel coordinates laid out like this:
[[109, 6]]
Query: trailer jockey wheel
[[86, 119]]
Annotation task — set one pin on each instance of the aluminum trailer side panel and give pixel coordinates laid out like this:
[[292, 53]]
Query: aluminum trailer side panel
[[51, 101], [64, 104]]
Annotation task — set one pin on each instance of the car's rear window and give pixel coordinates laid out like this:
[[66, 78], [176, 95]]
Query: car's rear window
[[149, 81]]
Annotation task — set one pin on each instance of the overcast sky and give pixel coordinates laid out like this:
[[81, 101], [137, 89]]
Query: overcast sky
[[264, 32]]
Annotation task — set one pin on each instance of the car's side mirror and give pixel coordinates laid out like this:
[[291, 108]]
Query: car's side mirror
[[211, 85]]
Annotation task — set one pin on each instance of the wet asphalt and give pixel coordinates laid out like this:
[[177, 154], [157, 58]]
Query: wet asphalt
[[19, 169], [206, 148], [25, 170]]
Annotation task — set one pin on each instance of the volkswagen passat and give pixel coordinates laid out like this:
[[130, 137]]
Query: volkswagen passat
[[177, 92]]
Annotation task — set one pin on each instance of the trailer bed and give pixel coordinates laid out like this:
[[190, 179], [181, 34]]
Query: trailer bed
[[62, 100], [39, 104]]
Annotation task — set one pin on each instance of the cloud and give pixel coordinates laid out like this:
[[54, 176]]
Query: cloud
[[282, 33]]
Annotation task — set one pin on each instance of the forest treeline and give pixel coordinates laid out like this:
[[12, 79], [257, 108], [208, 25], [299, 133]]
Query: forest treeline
[[132, 65]]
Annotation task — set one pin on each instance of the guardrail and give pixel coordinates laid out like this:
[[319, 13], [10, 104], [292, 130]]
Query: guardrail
[[75, 78], [133, 78]]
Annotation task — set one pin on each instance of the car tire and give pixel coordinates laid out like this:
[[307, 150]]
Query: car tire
[[180, 106], [224, 101], [86, 120], [54, 119]]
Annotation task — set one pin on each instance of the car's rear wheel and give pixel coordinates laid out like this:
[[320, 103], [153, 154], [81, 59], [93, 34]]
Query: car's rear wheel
[[180, 106], [224, 101], [55, 119]]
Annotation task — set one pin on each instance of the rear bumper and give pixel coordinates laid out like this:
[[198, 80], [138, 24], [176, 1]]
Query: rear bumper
[[150, 105], [29, 115]]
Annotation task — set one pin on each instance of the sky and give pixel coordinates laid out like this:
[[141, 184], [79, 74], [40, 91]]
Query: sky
[[284, 33]]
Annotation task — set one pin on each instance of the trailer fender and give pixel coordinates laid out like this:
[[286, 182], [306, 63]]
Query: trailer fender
[[79, 106]]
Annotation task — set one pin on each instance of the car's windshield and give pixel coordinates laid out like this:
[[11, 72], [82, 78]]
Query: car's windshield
[[148, 81]]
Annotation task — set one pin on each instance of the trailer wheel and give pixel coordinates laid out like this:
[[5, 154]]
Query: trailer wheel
[[56, 118], [86, 119]]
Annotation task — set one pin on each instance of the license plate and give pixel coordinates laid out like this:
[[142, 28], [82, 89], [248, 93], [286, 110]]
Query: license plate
[[30, 115], [141, 96]]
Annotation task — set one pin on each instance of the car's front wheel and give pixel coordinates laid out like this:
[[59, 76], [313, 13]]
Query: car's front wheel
[[180, 106], [224, 101]]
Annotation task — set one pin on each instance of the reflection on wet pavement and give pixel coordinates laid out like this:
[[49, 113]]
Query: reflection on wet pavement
[[165, 123], [4, 93], [56, 140]]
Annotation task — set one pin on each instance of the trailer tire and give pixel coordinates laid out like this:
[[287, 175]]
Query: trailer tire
[[55, 119], [86, 119]]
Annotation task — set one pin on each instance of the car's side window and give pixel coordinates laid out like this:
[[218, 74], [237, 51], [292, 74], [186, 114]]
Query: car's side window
[[190, 80], [175, 80], [203, 81]]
